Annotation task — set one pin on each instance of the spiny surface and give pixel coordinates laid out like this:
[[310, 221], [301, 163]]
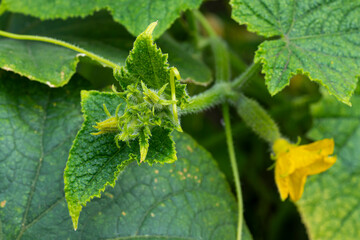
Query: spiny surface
[[320, 39], [95, 161], [148, 64]]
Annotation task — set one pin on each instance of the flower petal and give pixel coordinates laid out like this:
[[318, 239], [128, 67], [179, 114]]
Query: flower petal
[[281, 182], [324, 147], [294, 163], [320, 166], [297, 158], [296, 184]]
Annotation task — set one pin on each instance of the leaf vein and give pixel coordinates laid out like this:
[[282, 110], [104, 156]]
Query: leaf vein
[[41, 215], [351, 31], [33, 185], [258, 15]]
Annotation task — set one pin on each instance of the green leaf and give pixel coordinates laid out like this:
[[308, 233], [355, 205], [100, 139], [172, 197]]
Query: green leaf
[[135, 16], [32, 59], [111, 41], [95, 161], [186, 200], [146, 63], [37, 126], [330, 204], [320, 39]]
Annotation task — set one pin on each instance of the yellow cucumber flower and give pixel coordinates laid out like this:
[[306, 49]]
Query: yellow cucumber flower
[[294, 163]]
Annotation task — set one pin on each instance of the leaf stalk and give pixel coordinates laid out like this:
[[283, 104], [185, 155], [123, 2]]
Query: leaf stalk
[[91, 55], [234, 167]]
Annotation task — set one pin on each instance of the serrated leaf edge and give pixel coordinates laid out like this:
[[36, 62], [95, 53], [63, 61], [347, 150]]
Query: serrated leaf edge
[[75, 205], [250, 27], [266, 69], [172, 159]]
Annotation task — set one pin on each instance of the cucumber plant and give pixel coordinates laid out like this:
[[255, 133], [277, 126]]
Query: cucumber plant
[[100, 143]]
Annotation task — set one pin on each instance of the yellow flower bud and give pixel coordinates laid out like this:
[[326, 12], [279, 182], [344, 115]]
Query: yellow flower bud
[[294, 163]]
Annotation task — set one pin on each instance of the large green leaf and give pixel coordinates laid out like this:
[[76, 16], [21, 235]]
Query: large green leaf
[[186, 200], [55, 65], [320, 39], [330, 204], [37, 126], [134, 15], [31, 59]]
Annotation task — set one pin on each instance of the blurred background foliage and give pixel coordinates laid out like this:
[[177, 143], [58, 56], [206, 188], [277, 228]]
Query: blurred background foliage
[[266, 215]]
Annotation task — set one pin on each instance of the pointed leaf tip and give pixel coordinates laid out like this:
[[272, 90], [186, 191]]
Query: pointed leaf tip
[[149, 30], [74, 210]]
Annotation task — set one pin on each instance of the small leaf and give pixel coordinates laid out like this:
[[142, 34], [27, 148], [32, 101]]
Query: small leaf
[[95, 161], [146, 63], [320, 39], [144, 145], [330, 204], [186, 200], [134, 15]]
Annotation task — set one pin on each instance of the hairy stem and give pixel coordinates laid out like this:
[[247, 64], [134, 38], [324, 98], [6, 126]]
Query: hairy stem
[[245, 76], [222, 70], [214, 96], [60, 43], [219, 93], [234, 167]]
